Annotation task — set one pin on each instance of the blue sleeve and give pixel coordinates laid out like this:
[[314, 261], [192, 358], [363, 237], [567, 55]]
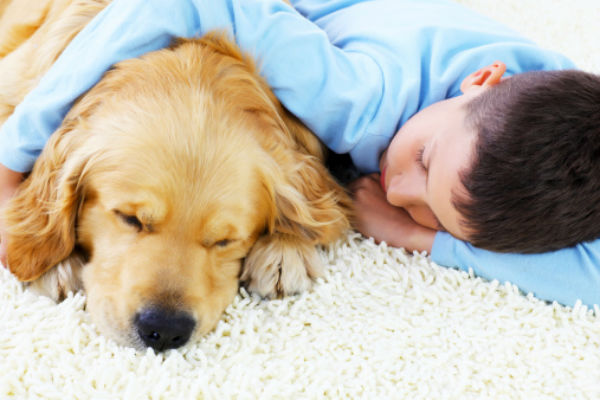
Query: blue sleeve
[[306, 72], [565, 275]]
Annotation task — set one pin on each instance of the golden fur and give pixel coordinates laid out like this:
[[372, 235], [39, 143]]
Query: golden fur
[[175, 176]]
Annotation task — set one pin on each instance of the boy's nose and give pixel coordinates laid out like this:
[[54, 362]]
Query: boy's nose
[[410, 195], [405, 192]]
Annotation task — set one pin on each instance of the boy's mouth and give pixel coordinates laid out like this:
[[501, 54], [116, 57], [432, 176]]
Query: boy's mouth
[[382, 178]]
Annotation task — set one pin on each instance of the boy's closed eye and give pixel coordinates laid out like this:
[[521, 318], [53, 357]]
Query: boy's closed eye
[[419, 159], [421, 169]]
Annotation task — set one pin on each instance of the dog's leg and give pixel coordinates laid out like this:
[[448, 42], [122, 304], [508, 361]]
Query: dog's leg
[[60, 280], [280, 265], [311, 210]]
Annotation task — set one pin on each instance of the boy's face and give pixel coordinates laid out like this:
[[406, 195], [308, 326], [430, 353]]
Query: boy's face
[[420, 170]]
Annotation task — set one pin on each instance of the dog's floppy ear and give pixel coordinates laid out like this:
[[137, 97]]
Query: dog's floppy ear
[[40, 219], [308, 203]]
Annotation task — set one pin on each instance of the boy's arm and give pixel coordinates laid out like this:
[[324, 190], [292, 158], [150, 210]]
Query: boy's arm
[[118, 32], [565, 275], [309, 75], [9, 181], [376, 218]]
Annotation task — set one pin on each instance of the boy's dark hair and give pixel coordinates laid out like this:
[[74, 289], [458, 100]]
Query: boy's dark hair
[[534, 185]]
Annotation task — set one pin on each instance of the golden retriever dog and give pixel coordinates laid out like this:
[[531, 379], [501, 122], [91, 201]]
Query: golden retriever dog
[[178, 175]]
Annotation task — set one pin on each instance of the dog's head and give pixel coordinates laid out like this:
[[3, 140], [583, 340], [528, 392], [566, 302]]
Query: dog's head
[[164, 176]]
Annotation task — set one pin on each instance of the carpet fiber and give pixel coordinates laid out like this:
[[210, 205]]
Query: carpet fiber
[[381, 324]]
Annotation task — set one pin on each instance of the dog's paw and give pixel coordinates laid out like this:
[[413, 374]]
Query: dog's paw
[[61, 279], [280, 266]]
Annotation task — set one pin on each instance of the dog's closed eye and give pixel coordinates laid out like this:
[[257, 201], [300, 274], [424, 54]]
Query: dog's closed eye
[[222, 243], [130, 220]]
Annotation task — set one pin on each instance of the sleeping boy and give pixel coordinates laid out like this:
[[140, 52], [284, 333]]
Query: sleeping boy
[[472, 153]]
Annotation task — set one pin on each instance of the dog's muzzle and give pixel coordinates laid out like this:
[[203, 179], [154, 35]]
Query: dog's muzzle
[[163, 329]]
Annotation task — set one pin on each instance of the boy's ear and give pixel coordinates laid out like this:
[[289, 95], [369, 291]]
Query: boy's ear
[[484, 77]]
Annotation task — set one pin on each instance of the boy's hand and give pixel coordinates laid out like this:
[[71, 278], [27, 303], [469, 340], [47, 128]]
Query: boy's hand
[[377, 218], [9, 181]]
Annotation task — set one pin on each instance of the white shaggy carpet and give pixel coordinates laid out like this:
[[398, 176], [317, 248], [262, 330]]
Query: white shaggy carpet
[[382, 324]]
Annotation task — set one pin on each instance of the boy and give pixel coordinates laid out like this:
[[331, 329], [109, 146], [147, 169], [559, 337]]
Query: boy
[[385, 65]]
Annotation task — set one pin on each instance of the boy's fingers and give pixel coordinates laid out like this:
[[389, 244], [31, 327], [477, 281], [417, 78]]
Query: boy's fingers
[[2, 251], [364, 182]]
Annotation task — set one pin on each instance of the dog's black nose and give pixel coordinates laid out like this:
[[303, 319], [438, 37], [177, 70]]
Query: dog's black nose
[[164, 329]]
